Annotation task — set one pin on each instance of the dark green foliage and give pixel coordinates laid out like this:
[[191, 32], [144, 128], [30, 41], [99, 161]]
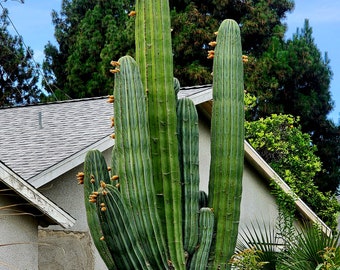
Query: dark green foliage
[[293, 77], [327, 140], [89, 33], [82, 24], [18, 72], [308, 248], [290, 152], [194, 23]]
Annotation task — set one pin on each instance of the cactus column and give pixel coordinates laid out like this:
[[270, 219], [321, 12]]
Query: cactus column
[[154, 56], [227, 142]]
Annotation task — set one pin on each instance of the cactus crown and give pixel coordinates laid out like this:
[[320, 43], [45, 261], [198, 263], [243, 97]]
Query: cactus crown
[[148, 212]]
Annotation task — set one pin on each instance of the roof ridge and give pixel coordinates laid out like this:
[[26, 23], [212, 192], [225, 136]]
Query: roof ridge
[[195, 87], [54, 102], [183, 88]]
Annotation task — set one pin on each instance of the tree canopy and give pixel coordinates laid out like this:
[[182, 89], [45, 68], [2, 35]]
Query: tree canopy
[[18, 71], [89, 34]]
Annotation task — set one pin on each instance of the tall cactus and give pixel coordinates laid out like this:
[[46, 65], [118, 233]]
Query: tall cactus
[[149, 211], [154, 55], [227, 141]]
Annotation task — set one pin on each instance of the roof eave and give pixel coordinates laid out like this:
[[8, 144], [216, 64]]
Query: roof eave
[[266, 171], [35, 198], [69, 163]]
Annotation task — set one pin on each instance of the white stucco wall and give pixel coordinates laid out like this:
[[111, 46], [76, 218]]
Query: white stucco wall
[[21, 231]]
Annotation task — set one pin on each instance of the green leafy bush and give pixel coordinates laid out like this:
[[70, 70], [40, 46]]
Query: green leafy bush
[[291, 153]]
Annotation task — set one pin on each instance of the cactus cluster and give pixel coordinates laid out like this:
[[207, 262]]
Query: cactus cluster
[[146, 211]]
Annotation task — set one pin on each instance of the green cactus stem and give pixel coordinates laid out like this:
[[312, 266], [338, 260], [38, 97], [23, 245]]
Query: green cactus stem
[[119, 232], [177, 87], [154, 56], [202, 199], [188, 139], [227, 142], [134, 163], [206, 225], [95, 170]]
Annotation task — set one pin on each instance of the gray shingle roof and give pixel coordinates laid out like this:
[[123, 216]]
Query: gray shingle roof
[[28, 147]]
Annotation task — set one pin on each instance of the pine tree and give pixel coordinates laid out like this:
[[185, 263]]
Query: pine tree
[[18, 71], [293, 77], [90, 34]]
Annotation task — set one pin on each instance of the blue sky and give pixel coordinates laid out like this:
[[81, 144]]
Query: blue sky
[[33, 22]]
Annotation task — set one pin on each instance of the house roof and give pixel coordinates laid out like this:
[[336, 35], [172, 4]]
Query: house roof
[[55, 138], [36, 138]]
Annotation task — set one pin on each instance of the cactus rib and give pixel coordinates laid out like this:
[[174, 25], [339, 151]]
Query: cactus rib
[[206, 224], [120, 233]]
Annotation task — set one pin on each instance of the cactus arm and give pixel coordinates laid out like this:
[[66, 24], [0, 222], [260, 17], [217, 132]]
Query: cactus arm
[[118, 230], [201, 256], [95, 166], [134, 163], [202, 199], [177, 87], [188, 139], [154, 55], [227, 139]]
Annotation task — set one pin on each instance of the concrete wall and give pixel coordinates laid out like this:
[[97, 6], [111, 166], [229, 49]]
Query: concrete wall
[[20, 230], [61, 250]]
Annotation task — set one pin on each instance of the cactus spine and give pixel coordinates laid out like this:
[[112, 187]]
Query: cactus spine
[[152, 218]]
